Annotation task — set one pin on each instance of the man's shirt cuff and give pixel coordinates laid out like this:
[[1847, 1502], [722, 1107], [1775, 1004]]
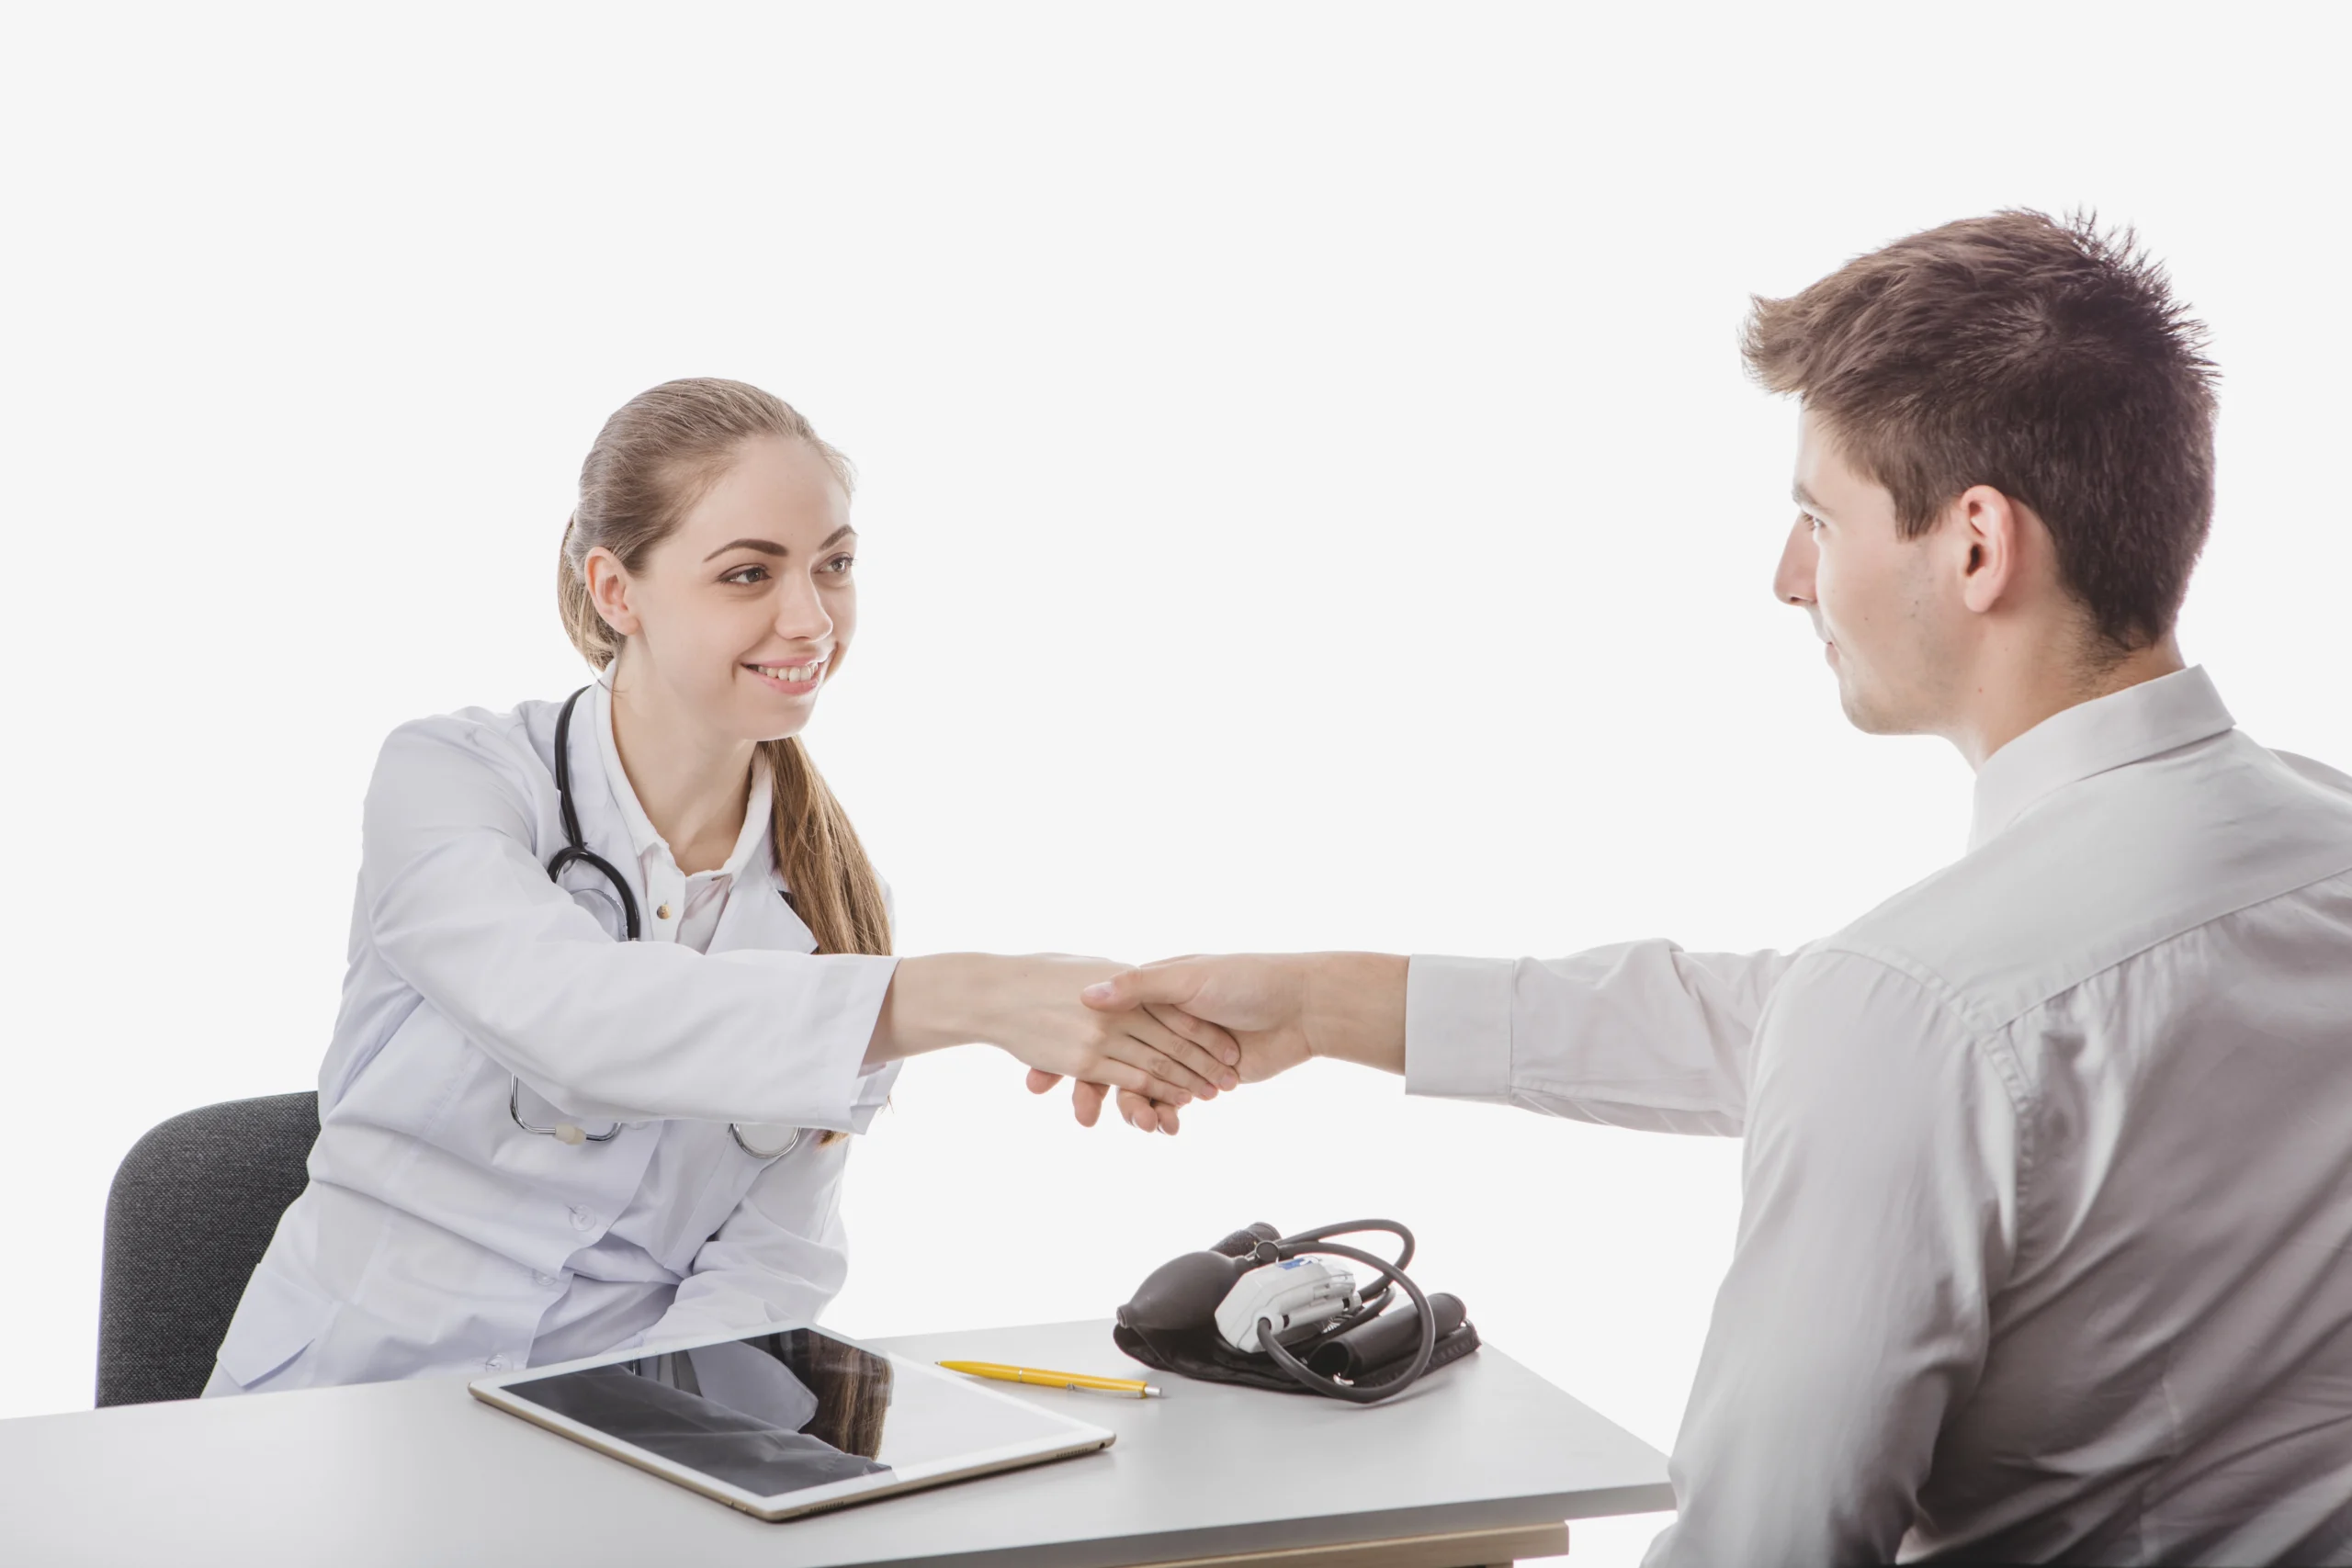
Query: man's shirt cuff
[[1457, 1026]]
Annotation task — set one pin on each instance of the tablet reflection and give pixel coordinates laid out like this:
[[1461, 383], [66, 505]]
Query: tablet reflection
[[773, 1414]]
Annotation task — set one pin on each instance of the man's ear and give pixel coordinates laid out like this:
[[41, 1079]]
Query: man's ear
[[609, 589], [1990, 540]]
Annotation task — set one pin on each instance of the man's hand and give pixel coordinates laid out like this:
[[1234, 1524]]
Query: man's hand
[[1280, 1009], [1259, 999]]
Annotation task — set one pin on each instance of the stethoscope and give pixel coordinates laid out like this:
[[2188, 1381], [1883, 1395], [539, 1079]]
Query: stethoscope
[[576, 850]]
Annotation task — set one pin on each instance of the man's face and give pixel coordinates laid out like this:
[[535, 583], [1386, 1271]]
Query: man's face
[[1871, 595]]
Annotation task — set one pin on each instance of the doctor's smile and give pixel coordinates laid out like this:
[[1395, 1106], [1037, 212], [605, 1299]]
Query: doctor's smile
[[793, 679]]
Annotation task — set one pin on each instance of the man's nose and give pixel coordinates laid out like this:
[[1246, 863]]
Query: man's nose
[[1793, 583]]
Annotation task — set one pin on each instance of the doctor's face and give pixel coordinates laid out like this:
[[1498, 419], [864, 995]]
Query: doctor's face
[[1871, 594], [738, 617]]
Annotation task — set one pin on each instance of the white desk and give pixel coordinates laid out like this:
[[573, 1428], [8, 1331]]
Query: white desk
[[406, 1473]]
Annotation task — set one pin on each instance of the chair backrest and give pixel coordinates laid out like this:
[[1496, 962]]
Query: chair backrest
[[191, 1211]]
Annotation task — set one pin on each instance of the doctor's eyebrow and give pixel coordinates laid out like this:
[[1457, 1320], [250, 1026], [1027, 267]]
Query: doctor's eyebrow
[[770, 548], [1803, 497]]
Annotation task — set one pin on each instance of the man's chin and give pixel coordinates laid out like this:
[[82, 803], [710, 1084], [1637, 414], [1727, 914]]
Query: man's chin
[[1869, 717]]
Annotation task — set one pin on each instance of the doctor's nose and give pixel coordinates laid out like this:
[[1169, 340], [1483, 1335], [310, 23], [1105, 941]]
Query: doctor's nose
[[800, 613], [1793, 582]]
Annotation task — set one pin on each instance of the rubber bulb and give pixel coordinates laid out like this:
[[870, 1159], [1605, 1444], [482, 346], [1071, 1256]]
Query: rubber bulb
[[1184, 1293]]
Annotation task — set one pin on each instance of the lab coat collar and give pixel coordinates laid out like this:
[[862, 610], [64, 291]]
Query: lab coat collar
[[642, 835], [759, 916], [2112, 731]]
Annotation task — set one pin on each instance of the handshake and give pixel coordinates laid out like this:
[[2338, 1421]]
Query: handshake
[[1164, 1034]]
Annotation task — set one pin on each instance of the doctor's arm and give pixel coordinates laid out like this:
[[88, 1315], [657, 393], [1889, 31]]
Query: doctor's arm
[[1642, 1035], [781, 1257], [459, 906], [1878, 1218]]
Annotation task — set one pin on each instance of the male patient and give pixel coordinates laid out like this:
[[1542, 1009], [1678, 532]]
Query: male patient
[[2045, 1247]]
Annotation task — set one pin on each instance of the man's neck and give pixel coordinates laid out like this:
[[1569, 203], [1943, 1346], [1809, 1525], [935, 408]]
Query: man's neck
[[2044, 681], [692, 786]]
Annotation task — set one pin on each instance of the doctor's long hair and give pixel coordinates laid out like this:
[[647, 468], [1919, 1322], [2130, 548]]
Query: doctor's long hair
[[652, 460]]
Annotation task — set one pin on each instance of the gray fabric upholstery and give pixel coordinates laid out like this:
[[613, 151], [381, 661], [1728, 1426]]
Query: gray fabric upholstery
[[192, 1210]]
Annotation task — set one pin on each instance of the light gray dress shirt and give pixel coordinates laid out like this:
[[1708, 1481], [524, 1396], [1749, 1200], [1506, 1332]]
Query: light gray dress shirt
[[2045, 1245]]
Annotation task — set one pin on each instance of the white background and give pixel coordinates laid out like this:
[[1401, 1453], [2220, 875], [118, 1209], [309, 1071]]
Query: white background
[[1310, 499]]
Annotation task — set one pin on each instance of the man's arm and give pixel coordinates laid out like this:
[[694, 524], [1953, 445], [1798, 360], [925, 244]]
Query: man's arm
[[1642, 1035], [1878, 1217]]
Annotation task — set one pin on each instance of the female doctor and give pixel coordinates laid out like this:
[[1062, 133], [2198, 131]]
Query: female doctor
[[539, 1139]]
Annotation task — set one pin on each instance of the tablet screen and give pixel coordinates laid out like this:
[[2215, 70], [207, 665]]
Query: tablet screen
[[784, 1412]]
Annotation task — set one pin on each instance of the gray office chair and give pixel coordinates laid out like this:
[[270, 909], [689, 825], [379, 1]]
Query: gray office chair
[[191, 1211]]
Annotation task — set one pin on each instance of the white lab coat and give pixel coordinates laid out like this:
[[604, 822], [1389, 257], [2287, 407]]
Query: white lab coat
[[434, 1235]]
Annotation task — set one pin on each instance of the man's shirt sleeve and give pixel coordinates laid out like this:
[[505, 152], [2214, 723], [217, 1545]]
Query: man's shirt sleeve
[[1641, 1034], [1878, 1215]]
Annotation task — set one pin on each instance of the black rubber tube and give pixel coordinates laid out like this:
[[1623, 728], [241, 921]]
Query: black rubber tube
[[1356, 1393]]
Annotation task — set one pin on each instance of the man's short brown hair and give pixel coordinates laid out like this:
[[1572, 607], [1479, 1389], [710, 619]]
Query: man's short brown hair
[[2046, 359]]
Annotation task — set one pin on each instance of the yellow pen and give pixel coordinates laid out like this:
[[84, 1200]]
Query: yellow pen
[[1126, 1388]]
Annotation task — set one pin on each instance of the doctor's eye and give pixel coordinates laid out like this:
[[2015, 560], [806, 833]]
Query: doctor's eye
[[839, 566], [747, 575]]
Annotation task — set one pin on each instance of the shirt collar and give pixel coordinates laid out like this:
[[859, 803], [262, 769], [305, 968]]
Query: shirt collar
[[643, 836], [2107, 732]]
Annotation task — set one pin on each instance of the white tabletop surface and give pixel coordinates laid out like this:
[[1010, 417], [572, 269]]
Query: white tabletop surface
[[417, 1472]]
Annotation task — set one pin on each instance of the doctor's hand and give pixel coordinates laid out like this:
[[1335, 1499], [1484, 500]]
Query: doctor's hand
[[1030, 1007], [1145, 1112], [1259, 1001], [1280, 1008], [1039, 1019]]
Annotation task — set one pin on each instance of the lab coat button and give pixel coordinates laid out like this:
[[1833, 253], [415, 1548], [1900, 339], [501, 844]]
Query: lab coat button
[[542, 1279], [581, 1219], [495, 1364], [663, 913]]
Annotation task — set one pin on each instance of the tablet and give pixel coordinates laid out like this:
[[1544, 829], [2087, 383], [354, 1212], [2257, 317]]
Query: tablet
[[789, 1421]]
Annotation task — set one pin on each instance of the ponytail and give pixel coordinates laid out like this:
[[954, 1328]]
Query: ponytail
[[818, 854]]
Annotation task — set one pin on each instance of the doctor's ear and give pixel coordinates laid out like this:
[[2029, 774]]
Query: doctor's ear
[[609, 591]]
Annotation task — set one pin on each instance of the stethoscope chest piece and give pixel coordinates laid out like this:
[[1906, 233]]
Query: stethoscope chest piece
[[562, 1132], [791, 1141]]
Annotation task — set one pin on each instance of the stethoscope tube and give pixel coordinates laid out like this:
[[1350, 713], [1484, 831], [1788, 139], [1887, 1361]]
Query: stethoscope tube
[[1393, 1274], [575, 847], [576, 851]]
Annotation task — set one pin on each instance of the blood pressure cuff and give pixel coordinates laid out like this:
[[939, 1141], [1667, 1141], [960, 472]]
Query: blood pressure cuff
[[1372, 1349]]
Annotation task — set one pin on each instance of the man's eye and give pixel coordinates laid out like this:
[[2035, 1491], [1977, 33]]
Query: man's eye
[[746, 574], [1810, 522]]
